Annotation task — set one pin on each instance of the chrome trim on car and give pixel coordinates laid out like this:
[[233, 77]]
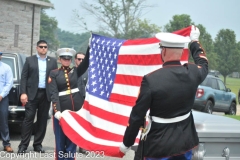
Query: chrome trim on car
[[16, 108]]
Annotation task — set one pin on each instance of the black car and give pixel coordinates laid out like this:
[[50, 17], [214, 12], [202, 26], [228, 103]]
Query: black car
[[16, 110]]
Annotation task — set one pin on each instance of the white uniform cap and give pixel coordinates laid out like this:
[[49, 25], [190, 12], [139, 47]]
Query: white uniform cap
[[171, 40], [66, 53]]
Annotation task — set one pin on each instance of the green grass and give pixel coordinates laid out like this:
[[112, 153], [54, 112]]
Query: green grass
[[234, 117]]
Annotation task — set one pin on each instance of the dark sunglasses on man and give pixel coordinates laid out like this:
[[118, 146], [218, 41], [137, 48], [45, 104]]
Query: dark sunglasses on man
[[43, 46], [79, 59]]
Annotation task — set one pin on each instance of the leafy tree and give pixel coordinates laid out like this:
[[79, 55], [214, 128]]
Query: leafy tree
[[178, 22], [226, 48], [115, 17], [181, 21], [48, 26], [142, 29], [207, 43], [77, 41], [238, 52]]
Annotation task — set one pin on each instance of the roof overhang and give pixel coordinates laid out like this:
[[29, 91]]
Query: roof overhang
[[37, 2]]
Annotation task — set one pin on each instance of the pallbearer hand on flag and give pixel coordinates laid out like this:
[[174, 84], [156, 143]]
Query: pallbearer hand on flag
[[195, 33]]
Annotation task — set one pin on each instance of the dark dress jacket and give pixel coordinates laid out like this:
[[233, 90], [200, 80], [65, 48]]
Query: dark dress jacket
[[169, 92], [30, 76], [82, 82], [64, 79]]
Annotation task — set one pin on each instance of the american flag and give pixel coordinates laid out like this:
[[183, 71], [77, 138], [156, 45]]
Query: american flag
[[116, 68]]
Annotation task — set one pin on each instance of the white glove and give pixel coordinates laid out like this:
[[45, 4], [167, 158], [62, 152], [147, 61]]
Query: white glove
[[58, 115], [123, 148], [195, 33]]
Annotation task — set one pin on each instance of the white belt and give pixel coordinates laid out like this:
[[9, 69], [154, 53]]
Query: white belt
[[162, 120], [67, 92]]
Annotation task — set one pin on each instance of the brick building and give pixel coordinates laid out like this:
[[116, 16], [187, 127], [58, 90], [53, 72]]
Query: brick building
[[20, 25]]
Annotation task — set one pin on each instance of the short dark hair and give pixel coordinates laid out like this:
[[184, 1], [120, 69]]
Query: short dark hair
[[79, 53], [41, 41]]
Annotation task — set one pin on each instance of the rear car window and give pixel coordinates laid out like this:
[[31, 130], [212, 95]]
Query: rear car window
[[210, 82], [10, 61]]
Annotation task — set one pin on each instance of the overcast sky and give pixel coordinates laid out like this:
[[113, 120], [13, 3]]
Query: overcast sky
[[212, 14]]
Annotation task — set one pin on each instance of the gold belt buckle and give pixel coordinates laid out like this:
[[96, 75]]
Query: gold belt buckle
[[144, 130], [68, 92]]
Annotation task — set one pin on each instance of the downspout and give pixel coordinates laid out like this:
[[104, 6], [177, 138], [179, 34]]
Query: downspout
[[33, 13]]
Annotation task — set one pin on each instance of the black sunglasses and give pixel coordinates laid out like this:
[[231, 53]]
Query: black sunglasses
[[79, 59], [42, 46]]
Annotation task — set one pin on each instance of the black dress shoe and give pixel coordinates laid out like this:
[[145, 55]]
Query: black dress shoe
[[39, 149], [21, 150], [83, 151]]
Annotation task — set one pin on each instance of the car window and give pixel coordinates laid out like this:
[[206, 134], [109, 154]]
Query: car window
[[210, 82], [214, 83], [221, 85], [11, 62]]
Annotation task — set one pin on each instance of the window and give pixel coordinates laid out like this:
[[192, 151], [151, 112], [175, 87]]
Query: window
[[214, 83], [16, 35], [221, 86], [11, 62]]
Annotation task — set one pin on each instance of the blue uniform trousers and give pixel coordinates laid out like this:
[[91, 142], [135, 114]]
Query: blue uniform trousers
[[65, 149], [4, 130], [186, 156]]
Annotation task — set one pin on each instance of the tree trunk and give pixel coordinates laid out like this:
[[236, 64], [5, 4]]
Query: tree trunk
[[225, 79]]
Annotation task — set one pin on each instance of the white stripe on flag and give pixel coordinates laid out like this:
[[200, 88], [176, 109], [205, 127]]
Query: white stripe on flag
[[116, 108], [143, 49], [136, 70], [126, 90]]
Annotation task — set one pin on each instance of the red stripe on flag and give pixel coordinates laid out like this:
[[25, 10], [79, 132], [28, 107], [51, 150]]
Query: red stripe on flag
[[141, 41], [184, 32], [128, 80], [185, 55], [123, 99], [90, 146], [145, 60], [109, 116], [96, 132]]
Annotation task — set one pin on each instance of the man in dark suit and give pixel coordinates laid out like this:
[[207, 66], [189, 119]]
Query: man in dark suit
[[35, 96], [82, 81]]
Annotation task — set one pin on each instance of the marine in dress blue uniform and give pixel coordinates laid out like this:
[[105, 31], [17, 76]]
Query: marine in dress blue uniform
[[65, 95], [169, 94]]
